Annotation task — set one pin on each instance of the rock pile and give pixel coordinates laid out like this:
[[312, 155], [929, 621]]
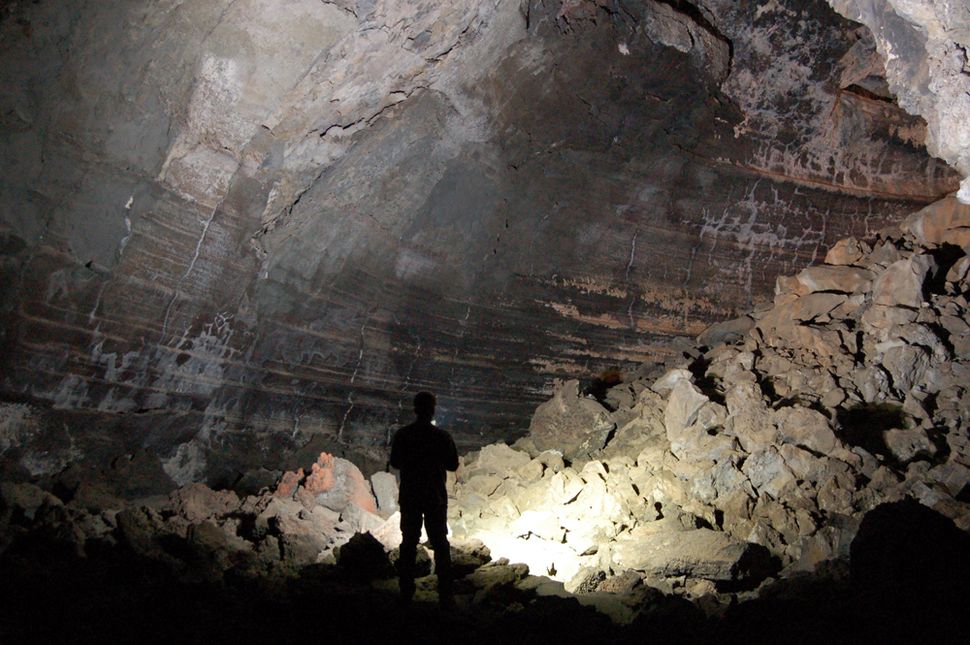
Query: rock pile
[[764, 449], [207, 533]]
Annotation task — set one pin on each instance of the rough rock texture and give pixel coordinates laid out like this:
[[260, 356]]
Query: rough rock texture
[[811, 474], [763, 452], [236, 233], [924, 45]]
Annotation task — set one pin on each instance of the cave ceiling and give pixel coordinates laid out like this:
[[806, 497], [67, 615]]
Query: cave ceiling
[[233, 230]]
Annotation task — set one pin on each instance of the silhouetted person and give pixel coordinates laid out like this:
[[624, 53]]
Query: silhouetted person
[[423, 453]]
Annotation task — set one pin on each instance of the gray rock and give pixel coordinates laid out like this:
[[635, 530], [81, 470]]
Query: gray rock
[[806, 428], [701, 553], [575, 425], [840, 279], [906, 445], [384, 485], [902, 283]]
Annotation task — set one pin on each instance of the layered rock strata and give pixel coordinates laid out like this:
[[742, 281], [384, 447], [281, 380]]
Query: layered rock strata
[[723, 479], [232, 231], [765, 448], [924, 45]]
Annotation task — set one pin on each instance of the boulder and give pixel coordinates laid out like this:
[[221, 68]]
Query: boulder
[[944, 221], [729, 331], [683, 407], [906, 445], [839, 279], [904, 363], [806, 428], [495, 576], [197, 502], [363, 558], [902, 283], [847, 251], [700, 553], [335, 482], [575, 425], [499, 461], [666, 383], [768, 473], [385, 489]]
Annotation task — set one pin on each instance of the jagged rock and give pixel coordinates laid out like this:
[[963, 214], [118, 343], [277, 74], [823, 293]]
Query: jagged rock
[[357, 519], [805, 428], [384, 485], [468, 555], [768, 473], [944, 221], [197, 502], [334, 483], [847, 251], [255, 481], [906, 445], [729, 331], [493, 577], [958, 273], [573, 424], [303, 536], [23, 498], [815, 305], [289, 482], [666, 383], [500, 461], [905, 364], [902, 283], [683, 407], [839, 279], [701, 553], [363, 557]]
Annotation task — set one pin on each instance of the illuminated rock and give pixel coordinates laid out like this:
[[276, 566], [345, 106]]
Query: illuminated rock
[[385, 489], [573, 424], [701, 553]]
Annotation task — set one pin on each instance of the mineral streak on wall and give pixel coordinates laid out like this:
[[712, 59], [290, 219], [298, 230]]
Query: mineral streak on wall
[[232, 229]]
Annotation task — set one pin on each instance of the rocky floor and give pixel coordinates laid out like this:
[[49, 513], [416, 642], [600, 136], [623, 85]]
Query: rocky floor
[[803, 475]]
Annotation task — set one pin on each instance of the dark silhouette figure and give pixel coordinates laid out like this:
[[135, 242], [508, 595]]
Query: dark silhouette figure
[[423, 453]]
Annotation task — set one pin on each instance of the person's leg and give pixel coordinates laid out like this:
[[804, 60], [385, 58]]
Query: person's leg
[[410, 534], [436, 523]]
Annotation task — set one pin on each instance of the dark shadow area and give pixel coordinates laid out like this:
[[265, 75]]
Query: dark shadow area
[[907, 582], [863, 425]]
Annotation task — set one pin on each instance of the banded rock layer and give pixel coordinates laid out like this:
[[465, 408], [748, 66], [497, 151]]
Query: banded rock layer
[[237, 233]]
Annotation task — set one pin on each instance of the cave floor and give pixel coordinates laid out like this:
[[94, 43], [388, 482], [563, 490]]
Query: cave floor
[[49, 594]]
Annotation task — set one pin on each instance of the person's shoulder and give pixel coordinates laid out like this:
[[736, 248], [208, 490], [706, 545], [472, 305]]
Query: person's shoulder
[[404, 430], [441, 432]]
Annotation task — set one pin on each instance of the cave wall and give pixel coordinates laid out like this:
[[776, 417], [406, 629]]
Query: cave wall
[[237, 232], [925, 46]]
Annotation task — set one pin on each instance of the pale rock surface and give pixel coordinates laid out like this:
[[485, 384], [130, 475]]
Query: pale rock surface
[[571, 423]]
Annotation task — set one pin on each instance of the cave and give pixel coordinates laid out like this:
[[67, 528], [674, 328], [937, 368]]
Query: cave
[[688, 278]]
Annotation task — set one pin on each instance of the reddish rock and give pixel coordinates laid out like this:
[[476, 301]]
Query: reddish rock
[[321, 478], [288, 483]]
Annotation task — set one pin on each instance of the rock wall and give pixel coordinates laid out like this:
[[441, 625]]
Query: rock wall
[[236, 233], [771, 440], [924, 45]]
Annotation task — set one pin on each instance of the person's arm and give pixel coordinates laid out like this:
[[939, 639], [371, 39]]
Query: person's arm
[[396, 451], [451, 454]]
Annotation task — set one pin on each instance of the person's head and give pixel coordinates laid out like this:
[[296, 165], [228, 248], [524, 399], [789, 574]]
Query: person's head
[[424, 403]]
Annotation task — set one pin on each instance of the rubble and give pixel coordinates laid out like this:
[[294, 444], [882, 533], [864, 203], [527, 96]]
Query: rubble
[[849, 392]]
